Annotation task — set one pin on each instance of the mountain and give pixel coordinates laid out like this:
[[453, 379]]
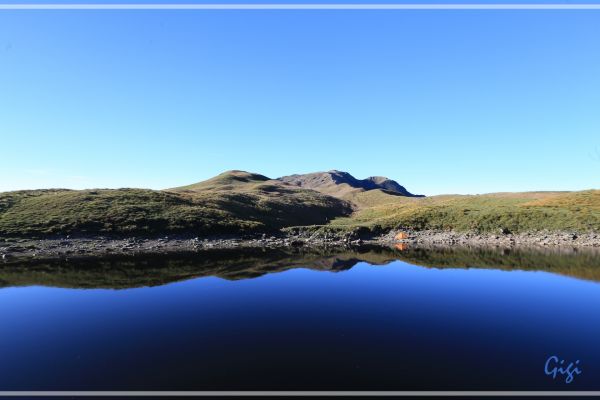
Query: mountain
[[233, 202], [239, 202], [228, 180], [341, 184]]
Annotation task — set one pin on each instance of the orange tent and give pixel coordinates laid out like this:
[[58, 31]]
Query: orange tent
[[401, 235]]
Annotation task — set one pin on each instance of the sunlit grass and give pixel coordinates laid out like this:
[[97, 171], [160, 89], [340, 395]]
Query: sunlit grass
[[518, 212]]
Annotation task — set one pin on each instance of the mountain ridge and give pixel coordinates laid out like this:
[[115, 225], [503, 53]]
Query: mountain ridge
[[340, 183], [238, 202]]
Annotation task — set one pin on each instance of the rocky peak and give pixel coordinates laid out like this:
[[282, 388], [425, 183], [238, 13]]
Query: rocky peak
[[326, 181]]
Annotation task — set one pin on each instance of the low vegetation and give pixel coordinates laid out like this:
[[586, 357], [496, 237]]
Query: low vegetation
[[235, 202], [516, 212], [239, 202]]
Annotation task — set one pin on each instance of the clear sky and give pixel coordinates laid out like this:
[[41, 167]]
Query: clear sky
[[441, 101]]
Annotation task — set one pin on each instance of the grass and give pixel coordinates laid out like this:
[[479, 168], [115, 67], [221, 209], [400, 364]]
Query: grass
[[9, 199], [239, 202], [518, 212], [251, 206]]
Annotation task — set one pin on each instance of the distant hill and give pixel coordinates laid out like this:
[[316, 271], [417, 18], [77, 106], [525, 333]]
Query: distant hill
[[517, 212], [239, 202], [228, 180], [341, 184], [232, 202]]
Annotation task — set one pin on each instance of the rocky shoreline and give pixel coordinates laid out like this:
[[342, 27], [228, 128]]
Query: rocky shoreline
[[503, 238], [21, 249]]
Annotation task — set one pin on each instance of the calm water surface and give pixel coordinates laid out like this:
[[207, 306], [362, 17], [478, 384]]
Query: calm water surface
[[417, 320]]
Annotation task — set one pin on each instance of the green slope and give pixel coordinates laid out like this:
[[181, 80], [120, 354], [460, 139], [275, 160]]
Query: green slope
[[518, 212], [234, 202], [240, 202]]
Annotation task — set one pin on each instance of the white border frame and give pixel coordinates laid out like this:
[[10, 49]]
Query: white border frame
[[299, 6], [346, 393]]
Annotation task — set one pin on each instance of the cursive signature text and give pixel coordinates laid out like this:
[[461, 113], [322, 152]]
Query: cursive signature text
[[555, 366]]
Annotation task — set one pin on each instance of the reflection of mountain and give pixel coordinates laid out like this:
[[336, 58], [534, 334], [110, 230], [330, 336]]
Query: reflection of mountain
[[121, 273], [128, 272]]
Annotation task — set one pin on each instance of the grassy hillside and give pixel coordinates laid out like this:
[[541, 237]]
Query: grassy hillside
[[233, 202], [518, 212], [241, 202], [339, 183], [227, 181]]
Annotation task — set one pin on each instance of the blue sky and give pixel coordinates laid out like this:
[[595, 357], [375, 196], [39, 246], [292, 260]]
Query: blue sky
[[441, 101]]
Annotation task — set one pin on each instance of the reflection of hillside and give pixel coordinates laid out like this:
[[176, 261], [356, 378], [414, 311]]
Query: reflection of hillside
[[120, 273], [582, 263], [129, 272]]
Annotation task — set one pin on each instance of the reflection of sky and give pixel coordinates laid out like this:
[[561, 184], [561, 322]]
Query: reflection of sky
[[477, 314]]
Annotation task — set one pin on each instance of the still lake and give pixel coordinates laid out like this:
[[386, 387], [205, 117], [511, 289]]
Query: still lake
[[407, 319]]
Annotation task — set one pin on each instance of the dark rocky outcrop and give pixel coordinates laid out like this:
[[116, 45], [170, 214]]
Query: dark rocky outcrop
[[334, 182]]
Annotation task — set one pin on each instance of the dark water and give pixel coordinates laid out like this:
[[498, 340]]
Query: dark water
[[379, 320]]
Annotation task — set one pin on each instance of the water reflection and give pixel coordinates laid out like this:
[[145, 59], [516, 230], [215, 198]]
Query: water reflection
[[431, 319], [140, 271]]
